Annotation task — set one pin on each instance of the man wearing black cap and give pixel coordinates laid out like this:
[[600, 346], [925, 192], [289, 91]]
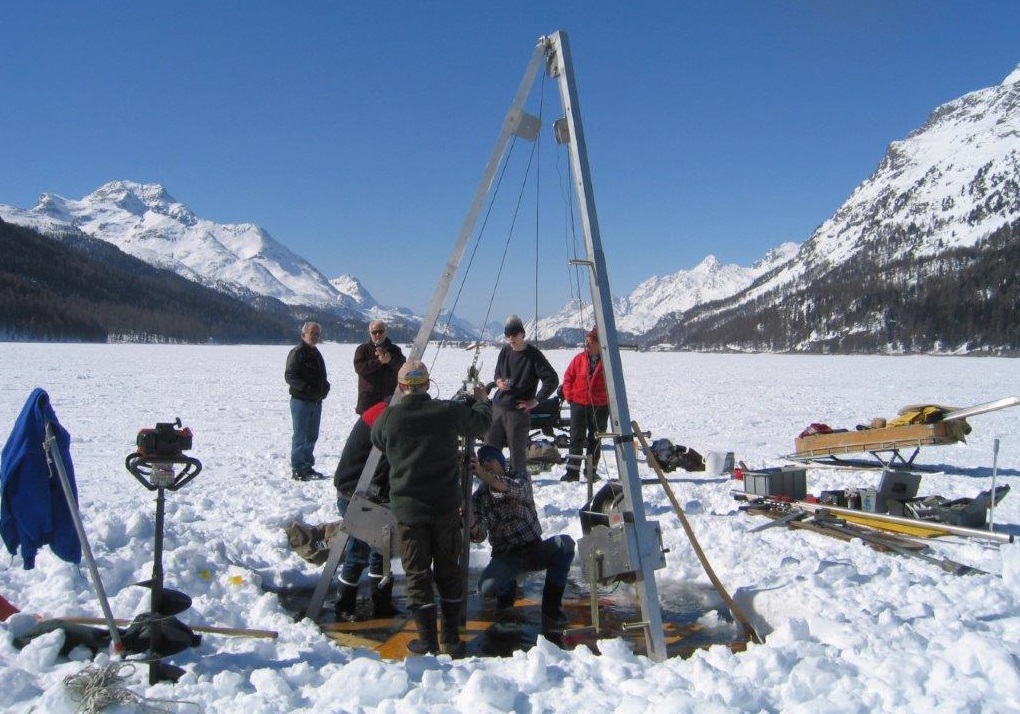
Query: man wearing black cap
[[503, 507], [419, 437], [519, 369]]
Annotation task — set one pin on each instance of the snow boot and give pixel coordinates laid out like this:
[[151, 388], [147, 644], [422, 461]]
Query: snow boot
[[451, 643], [382, 599], [346, 605], [554, 620], [426, 620], [508, 596]]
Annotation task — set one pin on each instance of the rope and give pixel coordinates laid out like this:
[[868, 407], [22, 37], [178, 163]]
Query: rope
[[96, 687]]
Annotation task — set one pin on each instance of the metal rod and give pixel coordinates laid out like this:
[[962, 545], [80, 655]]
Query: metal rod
[[53, 451], [156, 590], [955, 530], [995, 471]]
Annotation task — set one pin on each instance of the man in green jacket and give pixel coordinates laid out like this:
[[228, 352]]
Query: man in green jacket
[[420, 438]]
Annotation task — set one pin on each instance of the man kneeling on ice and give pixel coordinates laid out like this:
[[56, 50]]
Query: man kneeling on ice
[[504, 510]]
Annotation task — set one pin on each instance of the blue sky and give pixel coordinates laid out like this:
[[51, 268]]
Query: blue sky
[[356, 133]]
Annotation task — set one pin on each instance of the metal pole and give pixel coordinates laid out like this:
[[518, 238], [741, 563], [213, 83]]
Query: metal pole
[[626, 461], [995, 471], [53, 451]]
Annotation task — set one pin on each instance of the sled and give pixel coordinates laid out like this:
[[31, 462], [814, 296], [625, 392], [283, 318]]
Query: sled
[[893, 447]]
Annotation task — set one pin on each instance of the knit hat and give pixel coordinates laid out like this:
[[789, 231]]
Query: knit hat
[[513, 326], [488, 453], [413, 373], [593, 333]]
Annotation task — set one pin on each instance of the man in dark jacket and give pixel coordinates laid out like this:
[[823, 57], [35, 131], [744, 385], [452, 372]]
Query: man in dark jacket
[[420, 438], [306, 375], [357, 553], [376, 363], [519, 368]]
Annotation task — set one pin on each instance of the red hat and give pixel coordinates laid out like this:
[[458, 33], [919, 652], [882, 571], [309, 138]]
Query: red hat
[[593, 333]]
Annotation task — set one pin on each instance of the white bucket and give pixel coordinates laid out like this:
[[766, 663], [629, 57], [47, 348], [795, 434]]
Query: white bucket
[[718, 463]]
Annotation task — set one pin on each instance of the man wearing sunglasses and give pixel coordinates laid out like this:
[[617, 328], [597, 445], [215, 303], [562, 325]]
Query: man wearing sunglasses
[[376, 363]]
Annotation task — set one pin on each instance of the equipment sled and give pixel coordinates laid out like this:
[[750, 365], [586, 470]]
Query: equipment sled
[[896, 444]]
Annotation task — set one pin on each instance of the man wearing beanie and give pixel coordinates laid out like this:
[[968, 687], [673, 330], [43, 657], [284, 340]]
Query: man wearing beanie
[[503, 507], [519, 369], [419, 437]]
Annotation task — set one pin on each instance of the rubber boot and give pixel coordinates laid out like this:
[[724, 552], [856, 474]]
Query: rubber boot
[[451, 643], [428, 631], [508, 596], [346, 605], [553, 618], [382, 599]]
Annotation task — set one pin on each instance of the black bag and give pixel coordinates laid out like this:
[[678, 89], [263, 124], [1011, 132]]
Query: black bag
[[665, 453], [174, 635], [690, 460]]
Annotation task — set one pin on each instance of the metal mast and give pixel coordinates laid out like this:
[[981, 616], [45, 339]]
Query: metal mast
[[644, 541]]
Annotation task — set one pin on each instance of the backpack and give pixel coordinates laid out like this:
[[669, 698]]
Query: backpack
[[543, 453], [665, 453], [690, 460], [312, 542]]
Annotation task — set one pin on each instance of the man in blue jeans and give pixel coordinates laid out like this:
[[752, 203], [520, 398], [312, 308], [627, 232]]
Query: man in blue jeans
[[305, 374], [504, 510]]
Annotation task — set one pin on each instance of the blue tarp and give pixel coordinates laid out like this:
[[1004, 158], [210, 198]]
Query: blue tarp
[[33, 509]]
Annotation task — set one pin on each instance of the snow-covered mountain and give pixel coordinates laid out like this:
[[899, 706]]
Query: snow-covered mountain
[[943, 201], [638, 312], [145, 221], [948, 184]]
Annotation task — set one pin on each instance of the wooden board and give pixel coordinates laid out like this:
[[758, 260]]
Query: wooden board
[[484, 636], [886, 439], [923, 529]]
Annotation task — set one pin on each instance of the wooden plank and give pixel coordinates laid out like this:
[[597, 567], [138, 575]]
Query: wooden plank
[[885, 439], [923, 530]]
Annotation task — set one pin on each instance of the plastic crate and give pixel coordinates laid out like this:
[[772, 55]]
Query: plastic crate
[[789, 481]]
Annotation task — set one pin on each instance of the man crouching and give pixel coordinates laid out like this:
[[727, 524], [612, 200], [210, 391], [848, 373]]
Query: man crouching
[[504, 510], [419, 437]]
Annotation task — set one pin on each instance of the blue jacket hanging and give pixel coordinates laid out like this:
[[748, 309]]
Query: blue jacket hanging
[[33, 509]]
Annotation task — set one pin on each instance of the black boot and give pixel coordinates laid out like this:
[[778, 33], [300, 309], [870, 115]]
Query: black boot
[[382, 599], [508, 597], [428, 631], [346, 605], [451, 643], [553, 618]]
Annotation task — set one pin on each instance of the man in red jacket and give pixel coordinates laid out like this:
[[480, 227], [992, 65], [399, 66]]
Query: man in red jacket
[[584, 387]]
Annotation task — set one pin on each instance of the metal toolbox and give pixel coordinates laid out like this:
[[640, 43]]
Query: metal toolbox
[[789, 481]]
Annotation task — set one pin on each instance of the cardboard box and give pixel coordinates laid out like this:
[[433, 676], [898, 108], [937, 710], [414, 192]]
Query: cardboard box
[[789, 481]]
